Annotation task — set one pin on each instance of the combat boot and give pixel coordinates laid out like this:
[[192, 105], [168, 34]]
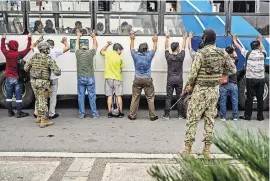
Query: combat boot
[[206, 150], [38, 119], [187, 150], [44, 123]]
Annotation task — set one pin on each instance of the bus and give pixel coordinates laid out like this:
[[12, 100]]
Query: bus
[[113, 20]]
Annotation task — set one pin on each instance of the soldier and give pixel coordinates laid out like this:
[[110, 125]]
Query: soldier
[[40, 66], [204, 79]]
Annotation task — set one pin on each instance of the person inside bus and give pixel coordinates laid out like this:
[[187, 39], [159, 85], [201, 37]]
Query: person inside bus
[[49, 26], [143, 79], [255, 76], [54, 54], [191, 51], [78, 26], [85, 75], [175, 74], [13, 84], [100, 28], [227, 88], [38, 27], [113, 76]]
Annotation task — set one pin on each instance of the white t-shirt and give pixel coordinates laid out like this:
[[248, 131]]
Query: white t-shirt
[[54, 53]]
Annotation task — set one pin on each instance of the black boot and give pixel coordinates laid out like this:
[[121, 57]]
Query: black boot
[[10, 114], [22, 114], [244, 118]]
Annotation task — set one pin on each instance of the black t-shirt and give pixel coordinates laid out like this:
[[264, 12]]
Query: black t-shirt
[[175, 66]]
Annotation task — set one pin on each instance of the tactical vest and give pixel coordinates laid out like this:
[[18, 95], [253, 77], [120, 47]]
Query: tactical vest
[[40, 67], [213, 60]]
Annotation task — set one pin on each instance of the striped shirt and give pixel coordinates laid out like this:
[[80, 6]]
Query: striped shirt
[[85, 60]]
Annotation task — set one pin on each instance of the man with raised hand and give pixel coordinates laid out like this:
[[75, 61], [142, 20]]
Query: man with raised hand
[[113, 76], [85, 75]]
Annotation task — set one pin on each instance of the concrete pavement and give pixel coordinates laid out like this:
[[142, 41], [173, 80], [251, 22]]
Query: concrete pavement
[[103, 135]]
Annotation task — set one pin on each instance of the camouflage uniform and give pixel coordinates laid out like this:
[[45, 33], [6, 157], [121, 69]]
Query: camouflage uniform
[[205, 76], [40, 67]]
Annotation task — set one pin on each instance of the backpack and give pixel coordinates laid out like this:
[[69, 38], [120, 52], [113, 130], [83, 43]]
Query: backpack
[[23, 75], [115, 109]]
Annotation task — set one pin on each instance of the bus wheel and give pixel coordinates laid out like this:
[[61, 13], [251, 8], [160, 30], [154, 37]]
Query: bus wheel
[[27, 93], [185, 105], [242, 93]]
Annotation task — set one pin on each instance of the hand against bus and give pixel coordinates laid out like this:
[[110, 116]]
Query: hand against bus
[[109, 43], [235, 37], [185, 36], [29, 35], [64, 40], [4, 36], [93, 34], [41, 39], [155, 38], [132, 36], [190, 35], [168, 35], [259, 38]]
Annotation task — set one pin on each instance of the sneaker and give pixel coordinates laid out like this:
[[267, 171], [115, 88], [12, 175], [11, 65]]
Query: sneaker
[[235, 119], [56, 115], [10, 114], [181, 117], [22, 114], [35, 116], [120, 115], [81, 116], [154, 118], [245, 118], [165, 116], [110, 115], [95, 116], [222, 119], [131, 118]]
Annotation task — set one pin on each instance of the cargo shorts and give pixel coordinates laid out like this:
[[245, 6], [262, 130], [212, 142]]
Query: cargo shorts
[[113, 86]]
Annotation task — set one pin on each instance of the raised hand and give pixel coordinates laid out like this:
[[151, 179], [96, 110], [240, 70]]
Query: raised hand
[[132, 36], [29, 35], [64, 40], [190, 35], [41, 39], [259, 38], [93, 34], [109, 42], [185, 36], [155, 38], [168, 35], [4, 36]]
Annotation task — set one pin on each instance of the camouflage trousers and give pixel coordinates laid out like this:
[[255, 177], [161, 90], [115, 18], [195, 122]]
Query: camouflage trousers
[[41, 90], [203, 104]]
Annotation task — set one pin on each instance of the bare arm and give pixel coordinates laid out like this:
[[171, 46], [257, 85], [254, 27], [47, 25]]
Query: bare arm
[[184, 42], [105, 47], [190, 36], [36, 43], [95, 43], [3, 44], [167, 42], [132, 40], [236, 43], [67, 47], [79, 35], [155, 40], [261, 43]]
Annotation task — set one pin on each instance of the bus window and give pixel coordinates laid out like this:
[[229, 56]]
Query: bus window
[[11, 23], [244, 6], [124, 24], [41, 23], [178, 25], [263, 7], [71, 5], [12, 5], [128, 6], [173, 6], [69, 23], [261, 23], [218, 6]]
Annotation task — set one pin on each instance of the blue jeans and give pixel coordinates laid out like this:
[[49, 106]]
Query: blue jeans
[[13, 86], [226, 90], [88, 83]]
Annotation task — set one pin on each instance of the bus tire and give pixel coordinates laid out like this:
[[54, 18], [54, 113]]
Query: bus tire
[[242, 93], [186, 101], [27, 96]]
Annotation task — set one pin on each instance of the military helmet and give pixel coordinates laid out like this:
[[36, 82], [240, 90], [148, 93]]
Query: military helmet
[[43, 46]]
